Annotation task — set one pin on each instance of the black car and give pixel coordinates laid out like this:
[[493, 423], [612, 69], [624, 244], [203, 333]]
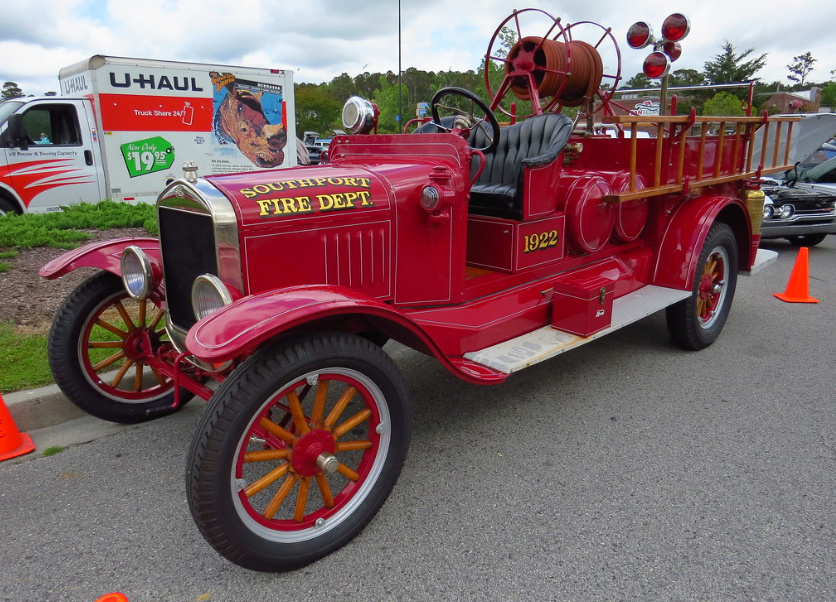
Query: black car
[[802, 215]]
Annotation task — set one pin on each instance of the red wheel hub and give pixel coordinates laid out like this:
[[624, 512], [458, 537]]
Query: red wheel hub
[[309, 447], [711, 287]]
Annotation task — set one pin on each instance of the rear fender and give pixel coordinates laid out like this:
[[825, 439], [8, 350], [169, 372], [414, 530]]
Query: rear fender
[[104, 255], [241, 327], [685, 235]]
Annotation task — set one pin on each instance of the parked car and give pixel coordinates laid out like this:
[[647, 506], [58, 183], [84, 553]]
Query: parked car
[[802, 215], [801, 204], [315, 153]]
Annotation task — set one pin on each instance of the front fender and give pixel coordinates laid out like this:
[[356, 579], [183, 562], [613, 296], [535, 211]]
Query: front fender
[[239, 328], [105, 255], [685, 235], [246, 323]]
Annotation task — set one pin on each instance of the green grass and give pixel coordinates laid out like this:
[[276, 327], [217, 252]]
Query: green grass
[[23, 355], [6, 255]]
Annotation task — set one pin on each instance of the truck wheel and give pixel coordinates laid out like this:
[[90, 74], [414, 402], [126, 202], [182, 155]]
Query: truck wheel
[[298, 450], [96, 357], [6, 207], [697, 321], [806, 240]]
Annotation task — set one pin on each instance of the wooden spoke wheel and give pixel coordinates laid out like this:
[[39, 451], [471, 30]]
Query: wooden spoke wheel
[[298, 450], [99, 350], [696, 322]]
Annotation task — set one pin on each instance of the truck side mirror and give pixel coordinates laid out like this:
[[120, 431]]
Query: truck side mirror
[[16, 133]]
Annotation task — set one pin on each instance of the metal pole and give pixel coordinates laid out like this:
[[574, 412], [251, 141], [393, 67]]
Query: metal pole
[[400, 105]]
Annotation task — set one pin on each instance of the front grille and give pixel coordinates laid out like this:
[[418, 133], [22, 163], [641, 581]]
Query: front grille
[[187, 240]]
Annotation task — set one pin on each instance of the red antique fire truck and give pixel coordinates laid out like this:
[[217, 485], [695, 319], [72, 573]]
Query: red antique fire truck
[[487, 247]]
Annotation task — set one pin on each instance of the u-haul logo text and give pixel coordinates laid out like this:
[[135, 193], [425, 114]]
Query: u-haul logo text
[[75, 85], [152, 82]]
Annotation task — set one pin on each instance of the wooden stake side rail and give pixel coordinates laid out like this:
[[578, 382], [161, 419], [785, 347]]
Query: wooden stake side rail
[[734, 135]]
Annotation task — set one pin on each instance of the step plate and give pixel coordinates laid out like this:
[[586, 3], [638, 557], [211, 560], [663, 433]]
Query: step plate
[[547, 342]]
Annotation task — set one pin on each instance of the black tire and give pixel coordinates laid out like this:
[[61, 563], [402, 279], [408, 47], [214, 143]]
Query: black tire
[[88, 360], [806, 240], [230, 510], [7, 207], [696, 322]]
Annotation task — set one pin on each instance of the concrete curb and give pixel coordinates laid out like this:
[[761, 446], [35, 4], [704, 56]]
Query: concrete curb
[[52, 420], [40, 408]]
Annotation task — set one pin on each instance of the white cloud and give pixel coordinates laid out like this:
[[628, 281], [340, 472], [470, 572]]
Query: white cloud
[[320, 39]]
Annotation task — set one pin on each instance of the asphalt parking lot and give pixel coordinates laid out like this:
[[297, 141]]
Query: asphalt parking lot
[[624, 470]]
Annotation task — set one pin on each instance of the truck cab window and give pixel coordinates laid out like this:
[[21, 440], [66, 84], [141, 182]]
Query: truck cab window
[[52, 124]]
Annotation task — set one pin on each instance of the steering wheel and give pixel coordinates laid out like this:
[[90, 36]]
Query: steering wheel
[[450, 99]]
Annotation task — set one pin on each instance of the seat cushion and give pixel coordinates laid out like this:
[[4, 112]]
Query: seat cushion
[[497, 200]]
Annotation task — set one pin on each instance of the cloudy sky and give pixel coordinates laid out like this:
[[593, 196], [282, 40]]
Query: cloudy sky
[[320, 39]]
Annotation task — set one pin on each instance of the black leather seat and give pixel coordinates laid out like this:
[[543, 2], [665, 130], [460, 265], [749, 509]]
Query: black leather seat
[[535, 142]]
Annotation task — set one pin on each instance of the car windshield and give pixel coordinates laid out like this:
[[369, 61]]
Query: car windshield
[[7, 108], [822, 173]]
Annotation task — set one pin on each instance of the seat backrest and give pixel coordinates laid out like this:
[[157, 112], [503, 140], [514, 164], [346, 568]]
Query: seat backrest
[[536, 141]]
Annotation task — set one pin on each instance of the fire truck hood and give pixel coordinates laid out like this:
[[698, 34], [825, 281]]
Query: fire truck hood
[[285, 194]]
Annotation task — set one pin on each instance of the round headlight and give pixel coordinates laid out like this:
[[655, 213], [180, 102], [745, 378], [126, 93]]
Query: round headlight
[[787, 211], [137, 273], [358, 115], [768, 211], [209, 295]]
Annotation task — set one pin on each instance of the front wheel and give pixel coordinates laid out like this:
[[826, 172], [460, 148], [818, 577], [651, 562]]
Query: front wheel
[[697, 321], [298, 450], [99, 347]]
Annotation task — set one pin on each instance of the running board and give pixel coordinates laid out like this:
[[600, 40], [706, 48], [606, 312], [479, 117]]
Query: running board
[[547, 342]]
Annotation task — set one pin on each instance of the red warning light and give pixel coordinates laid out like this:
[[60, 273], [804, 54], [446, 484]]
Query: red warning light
[[639, 35], [656, 65], [673, 50], [675, 27]]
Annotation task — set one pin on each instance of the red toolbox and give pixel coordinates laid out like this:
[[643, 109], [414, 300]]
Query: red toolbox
[[583, 305]]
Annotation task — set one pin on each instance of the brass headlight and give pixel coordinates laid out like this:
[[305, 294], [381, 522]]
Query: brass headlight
[[137, 273], [209, 295]]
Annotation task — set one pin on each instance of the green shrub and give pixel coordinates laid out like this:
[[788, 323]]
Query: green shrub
[[63, 229]]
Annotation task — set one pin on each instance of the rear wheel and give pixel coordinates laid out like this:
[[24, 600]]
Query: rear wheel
[[806, 240], [298, 450], [98, 352], [697, 321]]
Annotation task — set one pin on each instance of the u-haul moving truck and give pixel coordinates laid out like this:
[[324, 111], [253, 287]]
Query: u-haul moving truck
[[122, 127]]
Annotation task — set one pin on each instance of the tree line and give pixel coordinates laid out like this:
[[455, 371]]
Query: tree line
[[318, 106]]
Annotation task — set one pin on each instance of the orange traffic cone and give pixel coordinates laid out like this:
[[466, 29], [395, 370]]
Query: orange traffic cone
[[114, 597], [13, 443], [798, 290]]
